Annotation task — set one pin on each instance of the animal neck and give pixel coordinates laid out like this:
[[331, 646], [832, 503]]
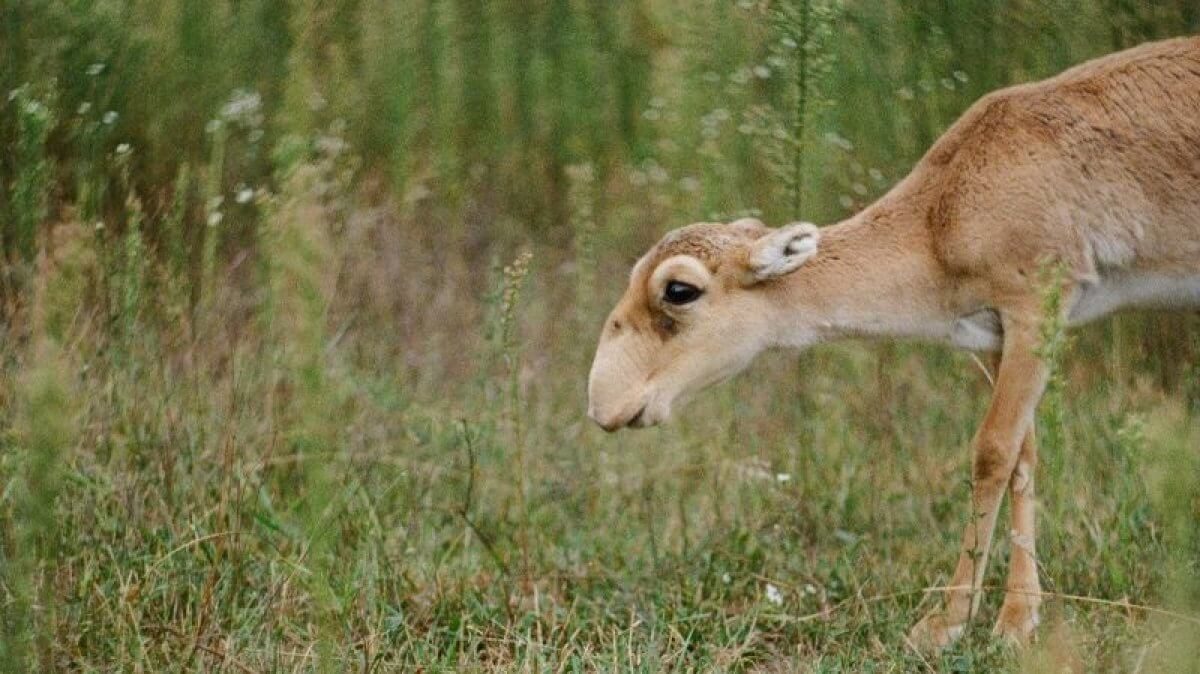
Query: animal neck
[[874, 276]]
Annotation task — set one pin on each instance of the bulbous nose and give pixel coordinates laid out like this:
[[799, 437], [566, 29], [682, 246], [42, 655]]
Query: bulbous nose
[[609, 422], [617, 421]]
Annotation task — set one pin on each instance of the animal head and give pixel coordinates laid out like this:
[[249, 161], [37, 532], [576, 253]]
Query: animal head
[[699, 307]]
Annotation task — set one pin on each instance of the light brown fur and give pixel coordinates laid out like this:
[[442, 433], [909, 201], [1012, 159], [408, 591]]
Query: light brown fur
[[1097, 168]]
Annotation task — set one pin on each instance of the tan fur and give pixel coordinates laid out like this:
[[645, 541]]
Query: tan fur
[[1097, 168]]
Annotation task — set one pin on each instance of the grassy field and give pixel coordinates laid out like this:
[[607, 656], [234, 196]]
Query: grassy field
[[290, 382]]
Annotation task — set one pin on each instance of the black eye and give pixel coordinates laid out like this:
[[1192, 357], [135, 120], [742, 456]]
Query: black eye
[[678, 292]]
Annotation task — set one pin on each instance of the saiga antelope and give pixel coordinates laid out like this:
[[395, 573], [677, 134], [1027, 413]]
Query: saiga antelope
[[1096, 170]]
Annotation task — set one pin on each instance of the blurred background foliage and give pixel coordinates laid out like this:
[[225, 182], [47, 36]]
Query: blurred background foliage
[[254, 250]]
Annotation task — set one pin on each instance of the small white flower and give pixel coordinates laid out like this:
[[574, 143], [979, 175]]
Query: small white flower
[[110, 117], [762, 72], [789, 43], [95, 69], [960, 76], [726, 578], [213, 126], [774, 595], [783, 477], [809, 589], [215, 218], [99, 226], [244, 195], [124, 148], [84, 108]]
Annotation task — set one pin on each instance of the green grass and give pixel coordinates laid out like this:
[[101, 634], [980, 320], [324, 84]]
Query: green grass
[[297, 301], [263, 501]]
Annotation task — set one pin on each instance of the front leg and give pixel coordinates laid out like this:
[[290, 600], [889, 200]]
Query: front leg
[[997, 444], [1023, 592]]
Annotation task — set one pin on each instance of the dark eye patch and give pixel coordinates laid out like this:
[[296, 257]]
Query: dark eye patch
[[678, 292]]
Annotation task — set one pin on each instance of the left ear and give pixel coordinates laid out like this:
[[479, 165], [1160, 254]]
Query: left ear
[[781, 251]]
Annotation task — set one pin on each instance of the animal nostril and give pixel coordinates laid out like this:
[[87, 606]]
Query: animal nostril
[[637, 417]]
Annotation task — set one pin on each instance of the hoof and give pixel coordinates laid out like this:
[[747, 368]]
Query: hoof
[[1016, 622], [936, 631]]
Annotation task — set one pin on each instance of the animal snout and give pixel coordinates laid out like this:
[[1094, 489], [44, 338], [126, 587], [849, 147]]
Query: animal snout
[[611, 422]]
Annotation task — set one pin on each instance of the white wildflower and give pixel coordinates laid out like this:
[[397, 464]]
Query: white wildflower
[[244, 195], [762, 72], [726, 578], [242, 106], [774, 595], [215, 218], [95, 69], [124, 148], [110, 117], [783, 477]]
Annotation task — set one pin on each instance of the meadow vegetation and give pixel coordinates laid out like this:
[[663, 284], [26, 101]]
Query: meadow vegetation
[[297, 301]]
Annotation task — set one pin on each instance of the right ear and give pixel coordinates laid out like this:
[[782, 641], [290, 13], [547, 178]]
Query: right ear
[[780, 251]]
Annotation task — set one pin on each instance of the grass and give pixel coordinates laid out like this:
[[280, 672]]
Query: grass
[[297, 302], [260, 498]]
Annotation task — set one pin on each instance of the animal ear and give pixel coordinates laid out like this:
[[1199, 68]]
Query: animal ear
[[781, 251]]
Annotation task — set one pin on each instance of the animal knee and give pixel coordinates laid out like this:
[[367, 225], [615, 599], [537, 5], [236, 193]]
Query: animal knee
[[1021, 477], [993, 463]]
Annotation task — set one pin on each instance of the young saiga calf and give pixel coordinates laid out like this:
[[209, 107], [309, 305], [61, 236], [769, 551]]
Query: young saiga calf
[[1096, 170]]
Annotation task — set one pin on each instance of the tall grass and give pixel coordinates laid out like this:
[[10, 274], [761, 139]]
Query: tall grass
[[269, 399]]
